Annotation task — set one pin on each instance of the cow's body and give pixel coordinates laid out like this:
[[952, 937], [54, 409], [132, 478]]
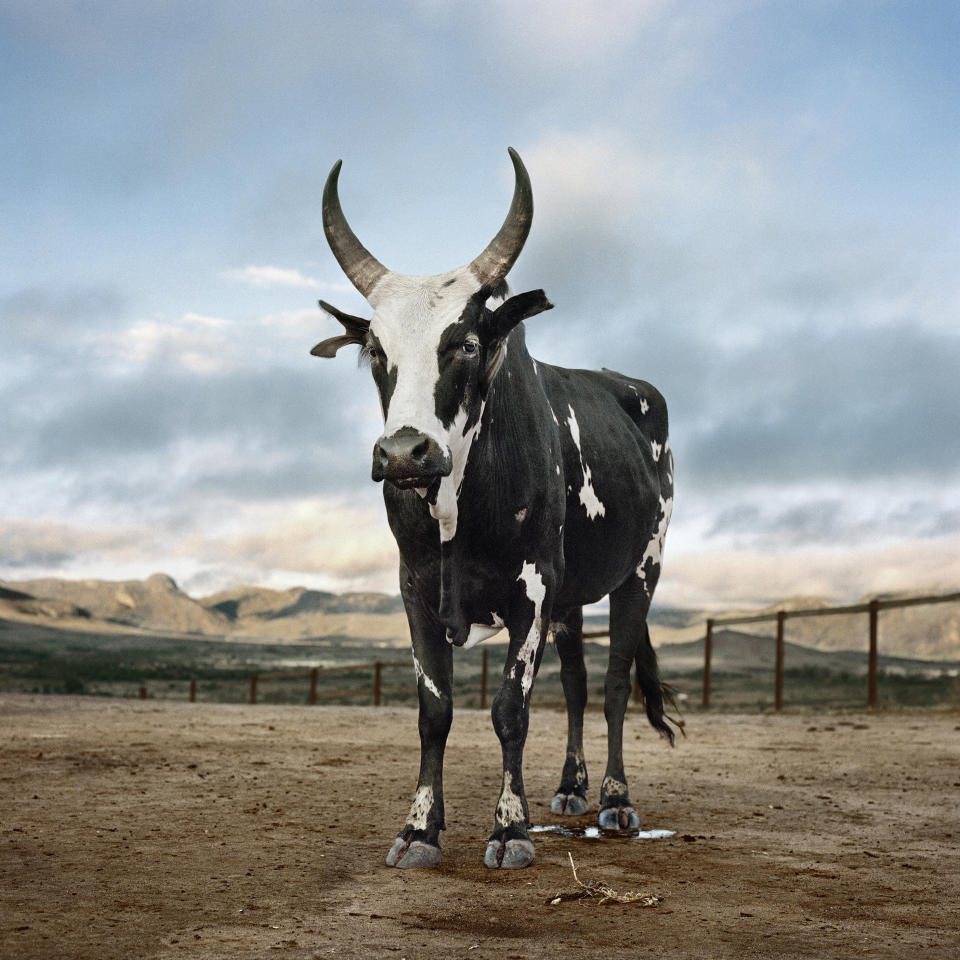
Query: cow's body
[[518, 493]]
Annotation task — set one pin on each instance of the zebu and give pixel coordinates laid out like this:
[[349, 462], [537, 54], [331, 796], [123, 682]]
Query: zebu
[[517, 493]]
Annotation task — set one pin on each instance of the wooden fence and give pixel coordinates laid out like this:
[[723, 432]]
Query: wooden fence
[[377, 689], [872, 608]]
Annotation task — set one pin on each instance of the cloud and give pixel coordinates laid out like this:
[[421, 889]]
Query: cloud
[[42, 543], [343, 541], [54, 315], [724, 578], [267, 277], [197, 343]]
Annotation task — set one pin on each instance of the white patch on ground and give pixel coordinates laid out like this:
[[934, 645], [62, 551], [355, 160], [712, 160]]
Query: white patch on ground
[[483, 631], [588, 496], [510, 806], [611, 787], [654, 549], [536, 591], [421, 675], [420, 808], [446, 509]]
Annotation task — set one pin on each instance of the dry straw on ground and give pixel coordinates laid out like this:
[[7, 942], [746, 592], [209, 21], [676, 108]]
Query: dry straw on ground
[[599, 891]]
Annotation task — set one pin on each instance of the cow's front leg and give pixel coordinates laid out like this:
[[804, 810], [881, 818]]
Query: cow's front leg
[[510, 846], [418, 844]]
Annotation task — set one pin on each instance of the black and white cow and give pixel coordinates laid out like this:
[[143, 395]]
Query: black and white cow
[[517, 493]]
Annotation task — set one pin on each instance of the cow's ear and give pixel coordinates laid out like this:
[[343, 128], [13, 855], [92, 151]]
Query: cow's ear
[[356, 328], [501, 321], [520, 307]]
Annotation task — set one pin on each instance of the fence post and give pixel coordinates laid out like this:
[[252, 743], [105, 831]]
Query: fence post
[[193, 691], [872, 656], [253, 688], [314, 673], [707, 652], [483, 679], [778, 681], [143, 692], [378, 669]]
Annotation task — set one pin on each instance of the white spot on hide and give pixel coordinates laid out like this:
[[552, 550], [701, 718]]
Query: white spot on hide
[[644, 406], [420, 808], [588, 496], [654, 549], [421, 675], [536, 591], [656, 448], [446, 509], [612, 787], [510, 806]]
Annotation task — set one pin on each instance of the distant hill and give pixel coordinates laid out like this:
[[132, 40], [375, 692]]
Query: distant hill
[[157, 605]]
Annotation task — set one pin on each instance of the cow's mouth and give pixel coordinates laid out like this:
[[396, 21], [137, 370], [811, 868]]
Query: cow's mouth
[[427, 487]]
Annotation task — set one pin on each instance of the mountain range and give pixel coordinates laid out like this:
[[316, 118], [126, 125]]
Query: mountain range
[[158, 606]]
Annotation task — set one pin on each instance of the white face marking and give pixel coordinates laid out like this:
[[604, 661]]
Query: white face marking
[[421, 675], [510, 806], [588, 496], [420, 808], [483, 631], [536, 590], [654, 549], [446, 509], [410, 315]]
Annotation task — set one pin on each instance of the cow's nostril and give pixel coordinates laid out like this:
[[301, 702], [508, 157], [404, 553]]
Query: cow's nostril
[[419, 453]]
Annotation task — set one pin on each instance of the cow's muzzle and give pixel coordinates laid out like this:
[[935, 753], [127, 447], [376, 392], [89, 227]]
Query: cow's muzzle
[[409, 459]]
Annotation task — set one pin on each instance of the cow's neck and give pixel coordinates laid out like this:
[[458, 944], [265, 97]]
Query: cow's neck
[[482, 508]]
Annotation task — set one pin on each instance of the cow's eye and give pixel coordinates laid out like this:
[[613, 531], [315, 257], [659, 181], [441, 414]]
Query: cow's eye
[[470, 347]]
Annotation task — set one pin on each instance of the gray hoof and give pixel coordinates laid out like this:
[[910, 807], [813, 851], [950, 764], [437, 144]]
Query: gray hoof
[[618, 818], [412, 855], [568, 805], [513, 855]]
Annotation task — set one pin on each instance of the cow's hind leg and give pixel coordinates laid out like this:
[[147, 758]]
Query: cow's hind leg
[[629, 642], [571, 797], [418, 845]]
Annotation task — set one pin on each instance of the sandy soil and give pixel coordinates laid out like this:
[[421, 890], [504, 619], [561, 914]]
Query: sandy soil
[[148, 829]]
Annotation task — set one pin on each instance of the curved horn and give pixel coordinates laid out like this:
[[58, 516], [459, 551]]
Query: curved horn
[[361, 267], [494, 263]]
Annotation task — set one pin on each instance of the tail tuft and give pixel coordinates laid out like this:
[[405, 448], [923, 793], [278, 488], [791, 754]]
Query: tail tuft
[[655, 692]]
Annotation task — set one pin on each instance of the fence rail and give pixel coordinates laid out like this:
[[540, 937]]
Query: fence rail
[[872, 608]]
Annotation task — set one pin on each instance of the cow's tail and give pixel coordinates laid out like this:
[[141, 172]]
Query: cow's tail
[[657, 696]]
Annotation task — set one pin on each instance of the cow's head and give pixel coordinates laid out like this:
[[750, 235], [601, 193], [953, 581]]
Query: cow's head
[[434, 343]]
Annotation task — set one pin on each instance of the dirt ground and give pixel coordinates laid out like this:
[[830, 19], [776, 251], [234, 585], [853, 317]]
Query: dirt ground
[[148, 829]]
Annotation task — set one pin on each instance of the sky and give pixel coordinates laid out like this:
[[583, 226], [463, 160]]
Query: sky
[[753, 205]]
